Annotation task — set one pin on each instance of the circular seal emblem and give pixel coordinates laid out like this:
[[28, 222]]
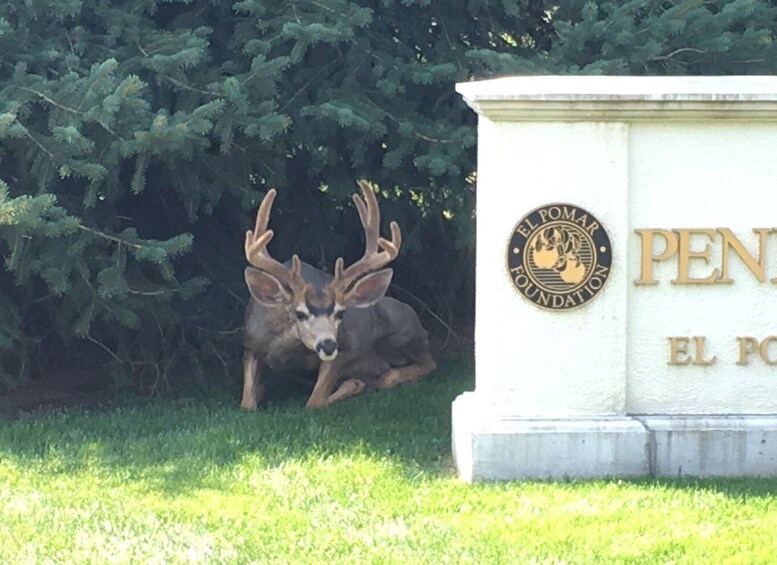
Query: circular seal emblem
[[559, 256]]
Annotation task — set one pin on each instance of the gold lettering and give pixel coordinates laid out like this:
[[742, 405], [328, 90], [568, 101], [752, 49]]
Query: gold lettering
[[679, 242], [747, 346], [678, 346], [592, 228], [763, 350], [519, 277], [730, 241], [579, 295], [679, 353], [582, 221], [552, 213], [699, 357], [684, 256], [601, 271], [646, 265]]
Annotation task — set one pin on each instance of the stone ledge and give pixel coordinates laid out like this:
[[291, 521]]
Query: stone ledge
[[488, 448], [626, 99], [588, 87], [625, 111], [703, 446]]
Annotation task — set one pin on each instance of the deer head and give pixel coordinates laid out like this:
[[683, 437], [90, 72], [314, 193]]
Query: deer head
[[315, 314]]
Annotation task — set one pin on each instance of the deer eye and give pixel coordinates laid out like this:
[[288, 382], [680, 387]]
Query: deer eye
[[339, 314], [301, 316]]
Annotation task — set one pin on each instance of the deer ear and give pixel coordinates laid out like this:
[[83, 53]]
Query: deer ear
[[368, 289], [266, 288]]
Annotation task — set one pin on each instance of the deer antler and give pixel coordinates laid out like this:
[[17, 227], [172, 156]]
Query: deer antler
[[256, 247], [378, 252]]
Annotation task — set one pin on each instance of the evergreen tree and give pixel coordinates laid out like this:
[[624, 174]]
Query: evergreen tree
[[136, 138], [719, 37]]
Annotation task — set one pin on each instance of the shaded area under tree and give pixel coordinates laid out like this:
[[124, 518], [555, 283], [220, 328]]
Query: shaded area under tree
[[137, 137]]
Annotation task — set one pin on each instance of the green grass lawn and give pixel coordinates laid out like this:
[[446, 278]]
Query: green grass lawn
[[369, 480]]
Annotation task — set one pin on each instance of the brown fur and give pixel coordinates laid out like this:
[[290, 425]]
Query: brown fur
[[379, 346], [301, 317]]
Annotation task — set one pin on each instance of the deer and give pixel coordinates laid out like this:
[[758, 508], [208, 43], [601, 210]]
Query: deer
[[299, 317]]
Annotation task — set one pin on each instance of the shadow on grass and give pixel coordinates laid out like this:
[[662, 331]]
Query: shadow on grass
[[178, 446], [174, 447], [737, 488]]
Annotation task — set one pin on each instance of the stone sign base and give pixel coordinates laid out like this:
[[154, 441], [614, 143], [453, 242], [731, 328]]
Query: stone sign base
[[490, 447], [733, 446], [493, 448], [626, 276]]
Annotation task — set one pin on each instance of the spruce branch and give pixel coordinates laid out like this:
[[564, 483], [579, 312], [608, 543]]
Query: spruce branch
[[106, 68], [50, 100], [105, 348], [160, 292], [188, 87], [109, 237], [304, 87], [42, 147], [416, 133], [677, 52]]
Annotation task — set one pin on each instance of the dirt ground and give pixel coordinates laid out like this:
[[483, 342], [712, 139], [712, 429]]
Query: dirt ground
[[89, 387], [58, 389]]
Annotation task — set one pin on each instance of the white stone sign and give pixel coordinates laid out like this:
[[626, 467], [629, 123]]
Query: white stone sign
[[653, 351]]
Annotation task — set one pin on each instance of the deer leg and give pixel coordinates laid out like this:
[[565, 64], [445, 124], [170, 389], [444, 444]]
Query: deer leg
[[325, 382], [253, 392], [397, 375], [349, 388], [322, 394]]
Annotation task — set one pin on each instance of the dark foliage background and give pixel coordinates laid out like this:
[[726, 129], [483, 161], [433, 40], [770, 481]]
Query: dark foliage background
[[137, 137]]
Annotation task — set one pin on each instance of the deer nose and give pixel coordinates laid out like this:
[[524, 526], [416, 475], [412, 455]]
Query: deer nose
[[326, 347]]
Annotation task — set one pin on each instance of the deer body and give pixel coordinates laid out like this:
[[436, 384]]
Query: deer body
[[300, 318]]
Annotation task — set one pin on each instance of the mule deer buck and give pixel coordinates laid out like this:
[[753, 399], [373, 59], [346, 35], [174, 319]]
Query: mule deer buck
[[299, 317]]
